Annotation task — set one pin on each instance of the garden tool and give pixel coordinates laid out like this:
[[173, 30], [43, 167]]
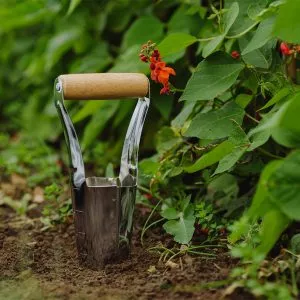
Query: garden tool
[[103, 207]]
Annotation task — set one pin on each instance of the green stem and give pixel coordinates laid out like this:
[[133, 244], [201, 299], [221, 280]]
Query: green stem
[[269, 154], [148, 219], [152, 224], [251, 118], [230, 36], [241, 33]]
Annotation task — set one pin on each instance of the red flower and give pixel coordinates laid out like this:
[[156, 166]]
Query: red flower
[[159, 71], [235, 54], [285, 50]]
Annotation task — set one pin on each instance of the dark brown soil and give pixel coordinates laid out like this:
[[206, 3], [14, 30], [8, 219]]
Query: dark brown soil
[[36, 264]]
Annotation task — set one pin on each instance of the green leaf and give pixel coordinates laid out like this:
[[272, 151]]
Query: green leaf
[[94, 61], [241, 142], [212, 45], [26, 13], [243, 100], [211, 157], [149, 166], [273, 224], [287, 25], [181, 118], [284, 188], [216, 124], [183, 228], [277, 97], [261, 36], [169, 213], [109, 171], [260, 58], [87, 110], [287, 130], [213, 76], [175, 42], [61, 43], [129, 61], [181, 21], [98, 122], [229, 18], [143, 29], [243, 21], [72, 6], [295, 243], [166, 139], [261, 200]]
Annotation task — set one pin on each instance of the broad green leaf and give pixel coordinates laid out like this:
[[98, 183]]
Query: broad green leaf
[[212, 45], [94, 61], [241, 143], [149, 166], [129, 61], [169, 213], [229, 18], [260, 58], [284, 188], [89, 108], [211, 157], [181, 21], [72, 6], [183, 228], [243, 100], [261, 36], [125, 110], [258, 139], [273, 224], [98, 122], [287, 130], [277, 97], [143, 29], [164, 106], [175, 42], [216, 124], [180, 119], [59, 44], [166, 139], [26, 13], [213, 76], [261, 200], [287, 24], [243, 21]]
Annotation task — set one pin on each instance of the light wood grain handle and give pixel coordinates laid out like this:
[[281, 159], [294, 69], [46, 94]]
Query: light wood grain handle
[[97, 86]]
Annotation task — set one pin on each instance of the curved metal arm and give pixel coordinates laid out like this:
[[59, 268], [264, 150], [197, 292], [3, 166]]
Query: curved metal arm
[[129, 159], [74, 151]]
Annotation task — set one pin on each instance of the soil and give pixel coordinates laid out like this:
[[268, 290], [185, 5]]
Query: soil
[[37, 264]]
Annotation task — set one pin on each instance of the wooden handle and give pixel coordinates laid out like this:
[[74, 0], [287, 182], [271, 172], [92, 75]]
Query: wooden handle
[[96, 86]]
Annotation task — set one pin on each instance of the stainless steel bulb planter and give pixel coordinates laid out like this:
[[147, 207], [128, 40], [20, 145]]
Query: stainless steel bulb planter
[[103, 207]]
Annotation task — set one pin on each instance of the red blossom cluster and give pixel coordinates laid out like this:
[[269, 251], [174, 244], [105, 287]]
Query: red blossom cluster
[[159, 71], [289, 50]]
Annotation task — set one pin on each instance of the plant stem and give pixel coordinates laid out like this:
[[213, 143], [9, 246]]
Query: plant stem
[[251, 118], [148, 219], [267, 153], [242, 33]]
